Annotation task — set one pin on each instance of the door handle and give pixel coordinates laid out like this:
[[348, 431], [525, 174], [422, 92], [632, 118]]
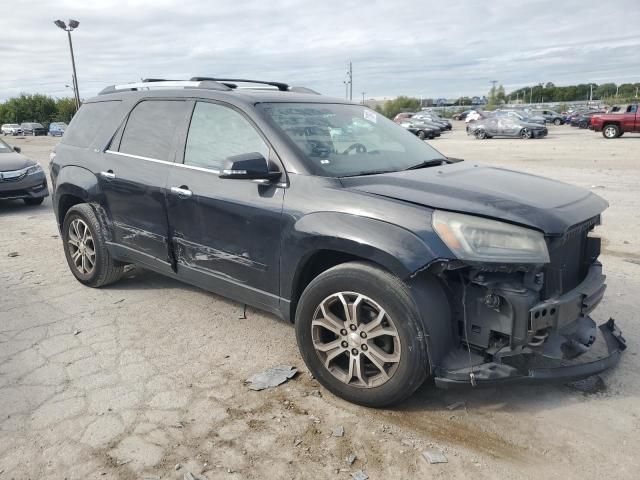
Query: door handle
[[182, 192], [109, 175]]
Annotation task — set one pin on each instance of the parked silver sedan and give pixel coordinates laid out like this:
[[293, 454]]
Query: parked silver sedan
[[21, 177], [505, 127]]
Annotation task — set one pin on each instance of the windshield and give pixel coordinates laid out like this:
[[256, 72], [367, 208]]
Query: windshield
[[348, 140], [4, 148]]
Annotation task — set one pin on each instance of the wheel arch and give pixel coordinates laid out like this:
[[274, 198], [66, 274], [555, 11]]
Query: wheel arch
[[75, 185], [323, 240]]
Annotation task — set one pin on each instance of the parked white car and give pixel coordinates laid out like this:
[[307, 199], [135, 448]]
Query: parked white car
[[11, 129], [473, 115]]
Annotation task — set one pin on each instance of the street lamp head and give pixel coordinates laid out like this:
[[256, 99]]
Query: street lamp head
[[61, 24], [73, 23]]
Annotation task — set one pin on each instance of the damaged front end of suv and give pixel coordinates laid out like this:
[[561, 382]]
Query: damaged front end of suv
[[520, 304]]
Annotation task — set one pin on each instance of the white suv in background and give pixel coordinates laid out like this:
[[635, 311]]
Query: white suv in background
[[11, 129]]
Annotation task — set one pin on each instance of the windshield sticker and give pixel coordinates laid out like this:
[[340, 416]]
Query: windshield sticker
[[369, 115], [324, 162]]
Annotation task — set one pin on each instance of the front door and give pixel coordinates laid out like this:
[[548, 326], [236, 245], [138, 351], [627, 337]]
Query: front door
[[225, 233], [133, 175]]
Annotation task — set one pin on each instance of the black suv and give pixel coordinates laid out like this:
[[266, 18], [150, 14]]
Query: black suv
[[31, 128], [395, 263]]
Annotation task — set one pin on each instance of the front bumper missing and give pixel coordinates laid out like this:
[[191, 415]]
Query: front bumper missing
[[531, 367]]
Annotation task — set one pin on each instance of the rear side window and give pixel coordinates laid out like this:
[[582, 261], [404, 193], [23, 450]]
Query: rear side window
[[218, 132], [151, 128], [88, 122]]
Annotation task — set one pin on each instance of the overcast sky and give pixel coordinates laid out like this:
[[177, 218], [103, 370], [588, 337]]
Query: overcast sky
[[433, 49]]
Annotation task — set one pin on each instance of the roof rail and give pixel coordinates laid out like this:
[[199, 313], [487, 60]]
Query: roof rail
[[224, 84], [283, 87], [149, 83]]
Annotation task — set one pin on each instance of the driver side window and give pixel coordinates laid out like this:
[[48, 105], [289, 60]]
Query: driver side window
[[217, 132]]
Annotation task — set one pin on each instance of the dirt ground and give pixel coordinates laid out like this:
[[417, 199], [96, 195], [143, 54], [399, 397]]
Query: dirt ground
[[145, 378]]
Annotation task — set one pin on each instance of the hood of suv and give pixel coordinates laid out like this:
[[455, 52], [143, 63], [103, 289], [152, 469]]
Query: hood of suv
[[14, 161], [529, 200]]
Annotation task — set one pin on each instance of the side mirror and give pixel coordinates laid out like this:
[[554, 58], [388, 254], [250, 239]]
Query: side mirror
[[17, 149], [248, 166]]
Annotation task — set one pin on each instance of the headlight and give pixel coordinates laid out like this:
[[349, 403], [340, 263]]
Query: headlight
[[34, 169], [479, 239]]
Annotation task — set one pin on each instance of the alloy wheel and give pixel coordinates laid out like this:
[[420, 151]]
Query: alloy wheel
[[610, 131], [356, 340], [81, 246], [525, 133]]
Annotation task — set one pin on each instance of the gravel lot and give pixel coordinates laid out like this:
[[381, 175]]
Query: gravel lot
[[131, 380]]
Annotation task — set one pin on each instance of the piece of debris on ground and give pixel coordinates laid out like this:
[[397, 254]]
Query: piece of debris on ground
[[189, 476], [271, 377], [13, 254], [456, 405], [434, 456], [351, 458], [592, 384], [338, 431], [359, 475]]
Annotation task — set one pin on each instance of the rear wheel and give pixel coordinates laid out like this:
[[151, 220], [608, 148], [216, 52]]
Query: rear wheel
[[33, 201], [526, 134], [85, 248], [611, 131], [422, 135], [359, 333]]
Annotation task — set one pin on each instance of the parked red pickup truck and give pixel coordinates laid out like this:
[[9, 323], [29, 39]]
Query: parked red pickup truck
[[614, 125]]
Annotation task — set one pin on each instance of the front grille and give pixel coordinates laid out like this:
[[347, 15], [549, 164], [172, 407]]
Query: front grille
[[10, 176], [570, 258]]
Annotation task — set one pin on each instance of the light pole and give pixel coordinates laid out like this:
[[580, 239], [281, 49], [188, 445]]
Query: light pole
[[73, 24]]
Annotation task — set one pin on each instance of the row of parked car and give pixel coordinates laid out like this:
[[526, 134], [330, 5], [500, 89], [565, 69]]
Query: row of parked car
[[425, 124], [56, 129]]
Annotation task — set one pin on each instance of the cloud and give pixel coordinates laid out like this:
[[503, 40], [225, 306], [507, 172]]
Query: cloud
[[402, 47]]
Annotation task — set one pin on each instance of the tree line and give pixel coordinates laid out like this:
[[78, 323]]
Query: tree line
[[548, 92], [37, 108]]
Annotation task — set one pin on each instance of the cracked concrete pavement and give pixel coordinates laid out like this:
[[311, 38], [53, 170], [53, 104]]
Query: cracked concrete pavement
[[130, 380]]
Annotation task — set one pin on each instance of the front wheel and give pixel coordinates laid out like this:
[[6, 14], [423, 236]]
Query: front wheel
[[611, 131], [360, 335], [85, 248], [481, 134], [422, 135], [557, 122], [526, 134]]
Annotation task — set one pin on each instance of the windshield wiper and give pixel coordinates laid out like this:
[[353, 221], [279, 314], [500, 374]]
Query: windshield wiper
[[428, 163], [368, 172]]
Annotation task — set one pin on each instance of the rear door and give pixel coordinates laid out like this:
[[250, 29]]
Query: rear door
[[133, 175], [630, 122], [225, 233]]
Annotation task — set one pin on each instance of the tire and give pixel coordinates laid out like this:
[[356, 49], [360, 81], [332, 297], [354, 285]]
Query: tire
[[481, 134], [557, 122], [422, 135], [375, 291], [526, 134], [104, 270], [33, 201], [611, 131]]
